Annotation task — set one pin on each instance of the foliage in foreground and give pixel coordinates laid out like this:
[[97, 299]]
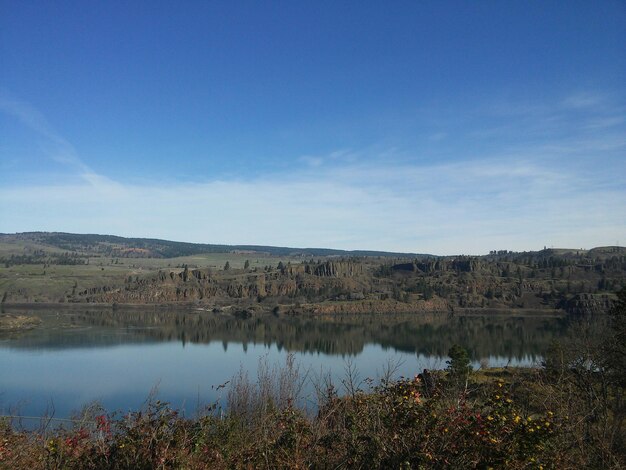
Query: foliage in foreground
[[393, 426], [411, 423]]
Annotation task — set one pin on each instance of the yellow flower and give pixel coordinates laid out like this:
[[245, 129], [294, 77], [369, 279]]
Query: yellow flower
[[517, 419], [490, 418]]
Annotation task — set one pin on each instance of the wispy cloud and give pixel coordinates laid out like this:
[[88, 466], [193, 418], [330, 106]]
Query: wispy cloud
[[584, 100], [604, 122], [337, 156], [467, 207], [437, 136], [551, 193], [58, 148]]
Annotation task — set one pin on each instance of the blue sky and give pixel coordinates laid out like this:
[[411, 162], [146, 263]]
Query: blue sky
[[442, 127]]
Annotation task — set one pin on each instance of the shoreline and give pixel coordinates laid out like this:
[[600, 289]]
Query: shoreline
[[307, 310]]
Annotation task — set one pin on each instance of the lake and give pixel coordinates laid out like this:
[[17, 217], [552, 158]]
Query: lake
[[116, 357]]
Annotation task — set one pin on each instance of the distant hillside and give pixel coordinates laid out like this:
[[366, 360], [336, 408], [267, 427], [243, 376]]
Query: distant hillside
[[104, 269], [114, 246]]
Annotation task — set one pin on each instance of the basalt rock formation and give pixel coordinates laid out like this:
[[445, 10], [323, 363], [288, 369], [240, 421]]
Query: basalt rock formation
[[305, 280]]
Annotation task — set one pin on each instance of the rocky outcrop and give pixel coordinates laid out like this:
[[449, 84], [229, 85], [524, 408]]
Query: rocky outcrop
[[308, 279], [338, 268], [589, 304]]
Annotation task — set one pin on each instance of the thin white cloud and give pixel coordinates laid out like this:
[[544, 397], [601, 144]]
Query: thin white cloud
[[583, 100], [468, 207], [604, 122], [312, 161], [524, 199], [437, 136], [60, 150], [337, 156]]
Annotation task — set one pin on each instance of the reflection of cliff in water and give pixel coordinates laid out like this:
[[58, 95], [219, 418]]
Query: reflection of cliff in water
[[429, 334]]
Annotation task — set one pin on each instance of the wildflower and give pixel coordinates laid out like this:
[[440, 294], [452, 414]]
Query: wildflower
[[517, 419], [490, 418]]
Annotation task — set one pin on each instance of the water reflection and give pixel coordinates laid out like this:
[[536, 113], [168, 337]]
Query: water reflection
[[116, 357], [498, 334]]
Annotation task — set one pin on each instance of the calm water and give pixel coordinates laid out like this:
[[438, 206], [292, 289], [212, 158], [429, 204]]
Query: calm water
[[118, 357]]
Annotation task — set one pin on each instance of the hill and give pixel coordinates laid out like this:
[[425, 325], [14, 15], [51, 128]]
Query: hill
[[67, 268], [111, 245]]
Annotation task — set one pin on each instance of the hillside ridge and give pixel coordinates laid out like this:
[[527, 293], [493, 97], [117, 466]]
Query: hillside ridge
[[170, 249], [41, 267]]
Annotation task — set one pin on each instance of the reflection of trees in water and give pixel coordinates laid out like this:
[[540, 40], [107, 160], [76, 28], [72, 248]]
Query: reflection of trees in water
[[65, 329], [429, 334]]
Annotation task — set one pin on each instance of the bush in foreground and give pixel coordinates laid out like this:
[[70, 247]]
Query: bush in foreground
[[392, 426]]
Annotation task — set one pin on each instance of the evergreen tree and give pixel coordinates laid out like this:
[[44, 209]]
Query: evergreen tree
[[459, 366]]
